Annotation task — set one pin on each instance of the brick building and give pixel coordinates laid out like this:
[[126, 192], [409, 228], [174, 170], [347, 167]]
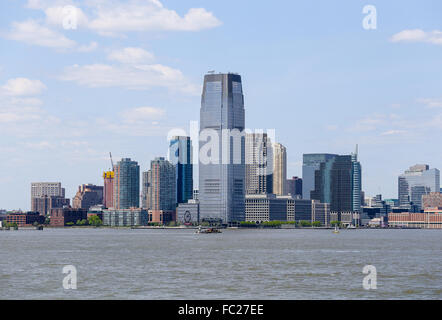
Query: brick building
[[60, 217]]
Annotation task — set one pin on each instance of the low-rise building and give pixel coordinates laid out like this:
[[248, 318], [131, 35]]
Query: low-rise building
[[431, 218], [60, 217], [189, 213], [125, 217], [23, 219]]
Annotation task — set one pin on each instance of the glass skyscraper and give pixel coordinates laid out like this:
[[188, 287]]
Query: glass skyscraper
[[222, 157], [311, 162], [415, 182], [126, 184], [180, 155]]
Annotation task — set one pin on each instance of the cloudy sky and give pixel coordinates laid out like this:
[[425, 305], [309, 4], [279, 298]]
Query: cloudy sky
[[124, 73]]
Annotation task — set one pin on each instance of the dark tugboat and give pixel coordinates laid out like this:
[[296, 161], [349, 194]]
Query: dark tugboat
[[209, 230]]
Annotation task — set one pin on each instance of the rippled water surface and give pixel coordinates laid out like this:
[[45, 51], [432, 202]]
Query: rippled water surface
[[236, 264]]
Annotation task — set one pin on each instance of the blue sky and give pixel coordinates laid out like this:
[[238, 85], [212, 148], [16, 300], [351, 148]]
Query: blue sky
[[132, 70]]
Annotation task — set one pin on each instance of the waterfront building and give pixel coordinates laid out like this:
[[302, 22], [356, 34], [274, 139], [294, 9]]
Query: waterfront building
[[125, 217], [431, 218], [161, 191], [310, 163], [108, 190], [60, 217], [294, 187], [180, 155], [189, 213], [416, 182], [23, 219], [222, 149], [279, 169], [45, 204], [259, 164], [88, 195], [126, 184]]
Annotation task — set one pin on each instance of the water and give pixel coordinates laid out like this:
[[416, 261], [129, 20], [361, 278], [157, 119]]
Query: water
[[236, 264]]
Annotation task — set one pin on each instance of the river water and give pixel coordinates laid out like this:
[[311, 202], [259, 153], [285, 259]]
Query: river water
[[236, 264]]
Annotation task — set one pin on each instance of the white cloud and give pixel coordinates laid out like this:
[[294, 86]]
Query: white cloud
[[31, 32], [418, 35], [131, 55], [431, 103], [23, 87], [139, 77], [392, 132], [88, 48], [142, 114]]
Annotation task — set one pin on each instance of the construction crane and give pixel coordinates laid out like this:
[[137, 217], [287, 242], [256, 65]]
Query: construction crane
[[112, 163]]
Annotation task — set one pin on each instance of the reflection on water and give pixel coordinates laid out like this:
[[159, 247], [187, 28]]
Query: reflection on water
[[236, 264]]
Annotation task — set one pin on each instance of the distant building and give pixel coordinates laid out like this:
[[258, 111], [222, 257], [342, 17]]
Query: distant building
[[126, 184], [180, 155], [88, 195], [259, 164], [46, 196], [161, 191], [279, 169], [96, 211], [125, 217], [294, 187], [311, 163], [60, 217], [189, 213], [432, 200], [108, 190], [431, 218], [45, 204], [25, 219], [415, 182]]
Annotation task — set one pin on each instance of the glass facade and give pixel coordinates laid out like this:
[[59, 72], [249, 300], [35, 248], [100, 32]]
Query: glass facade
[[180, 155], [222, 178], [310, 164]]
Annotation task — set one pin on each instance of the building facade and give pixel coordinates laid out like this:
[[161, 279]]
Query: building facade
[[259, 164], [222, 149], [310, 163], [108, 190], [46, 196], [180, 155], [125, 217], [60, 217], [279, 169], [432, 200], [126, 184], [88, 195], [189, 213], [294, 187], [416, 182]]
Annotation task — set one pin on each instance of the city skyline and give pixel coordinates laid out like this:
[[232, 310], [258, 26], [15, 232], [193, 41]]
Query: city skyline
[[58, 121]]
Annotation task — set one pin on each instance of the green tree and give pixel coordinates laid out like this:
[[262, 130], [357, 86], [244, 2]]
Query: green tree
[[47, 221], [95, 221], [335, 223], [69, 224], [305, 223], [316, 223]]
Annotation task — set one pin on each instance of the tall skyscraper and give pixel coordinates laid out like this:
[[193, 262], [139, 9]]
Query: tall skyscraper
[[108, 190], [279, 169], [415, 182], [294, 187], [180, 155], [126, 184], [311, 162], [259, 164], [338, 182], [222, 156]]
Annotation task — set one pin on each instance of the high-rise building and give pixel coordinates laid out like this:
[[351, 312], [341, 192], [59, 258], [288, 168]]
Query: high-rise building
[[180, 155], [338, 182], [108, 190], [126, 184], [311, 162], [222, 149], [279, 169], [294, 187], [259, 164], [161, 191], [415, 182], [46, 196], [145, 183], [88, 195]]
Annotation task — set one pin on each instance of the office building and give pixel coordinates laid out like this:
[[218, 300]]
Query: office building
[[180, 155], [125, 217], [310, 163], [126, 184], [60, 217], [294, 187], [108, 190], [259, 164], [279, 169], [415, 182], [431, 218], [47, 195], [23, 219], [189, 213], [222, 149], [88, 195]]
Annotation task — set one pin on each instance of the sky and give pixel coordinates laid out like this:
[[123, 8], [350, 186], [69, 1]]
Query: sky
[[122, 74]]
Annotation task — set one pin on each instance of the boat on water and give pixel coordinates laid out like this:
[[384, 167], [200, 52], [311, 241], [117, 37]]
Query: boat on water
[[208, 230], [336, 230], [350, 226]]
